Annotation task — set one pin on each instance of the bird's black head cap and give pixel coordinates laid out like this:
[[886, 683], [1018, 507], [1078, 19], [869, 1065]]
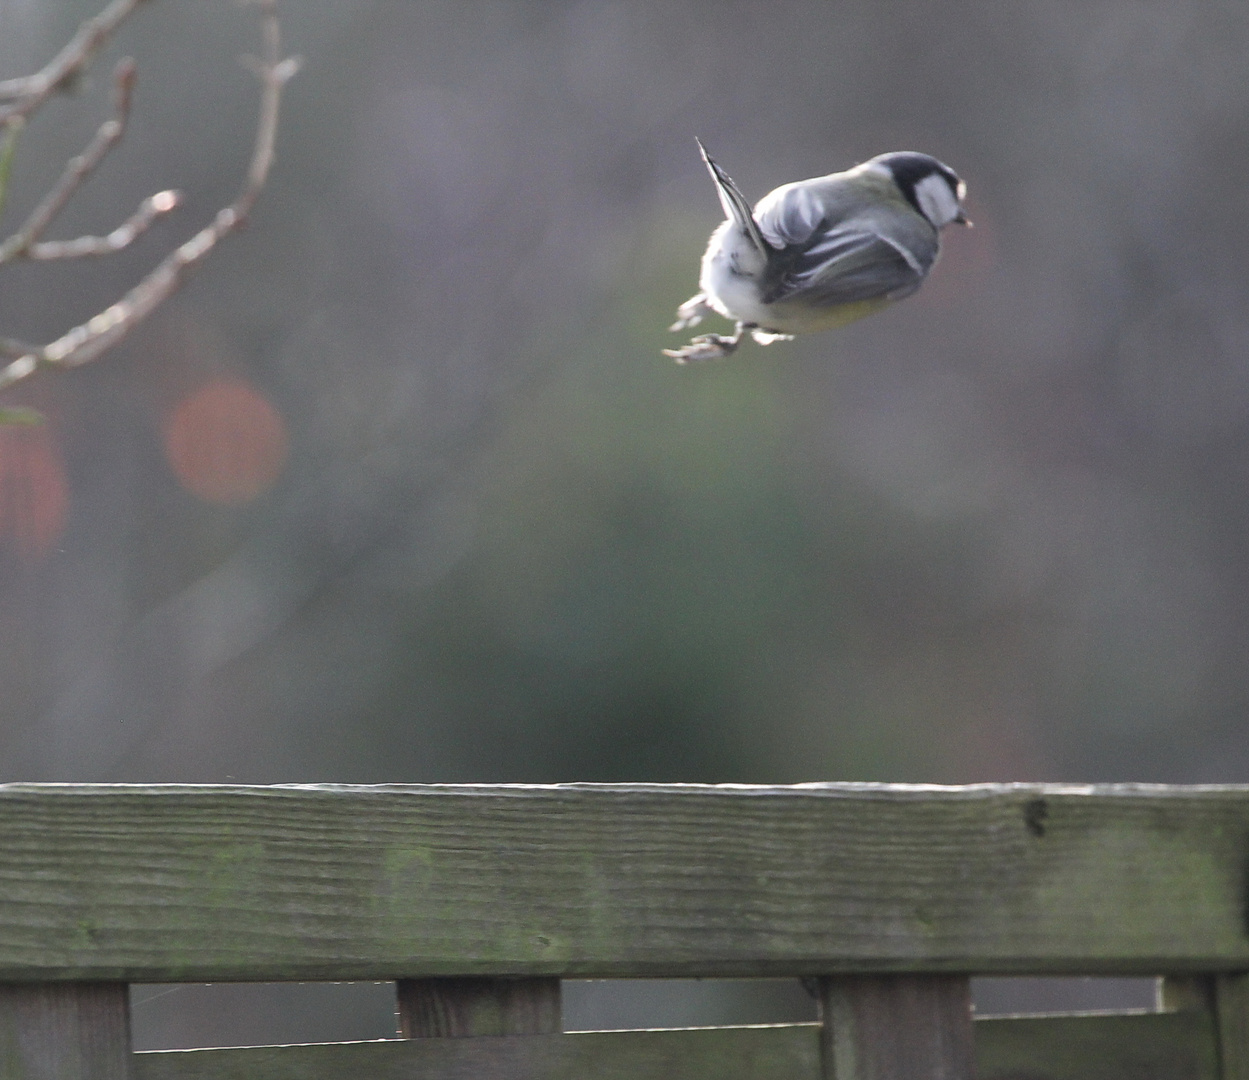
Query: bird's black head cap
[[909, 168]]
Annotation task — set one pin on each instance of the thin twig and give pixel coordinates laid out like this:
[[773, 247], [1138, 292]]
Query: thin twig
[[29, 93], [151, 208], [79, 168], [23, 242], [87, 341]]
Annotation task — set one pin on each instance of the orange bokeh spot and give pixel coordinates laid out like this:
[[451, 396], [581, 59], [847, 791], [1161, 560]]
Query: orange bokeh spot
[[225, 442], [34, 493]]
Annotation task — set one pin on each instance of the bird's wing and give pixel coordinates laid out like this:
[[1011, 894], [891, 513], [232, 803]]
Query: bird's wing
[[832, 252], [791, 215], [843, 268], [846, 265], [736, 208]]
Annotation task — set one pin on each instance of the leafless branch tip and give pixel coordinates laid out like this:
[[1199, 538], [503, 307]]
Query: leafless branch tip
[[22, 97]]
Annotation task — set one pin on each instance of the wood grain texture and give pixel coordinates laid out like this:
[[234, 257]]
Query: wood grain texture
[[65, 1031], [897, 1027], [1093, 1047], [185, 884], [765, 1053], [455, 1008]]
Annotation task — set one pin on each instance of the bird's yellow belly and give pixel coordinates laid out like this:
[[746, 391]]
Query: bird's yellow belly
[[797, 319], [731, 287], [787, 319]]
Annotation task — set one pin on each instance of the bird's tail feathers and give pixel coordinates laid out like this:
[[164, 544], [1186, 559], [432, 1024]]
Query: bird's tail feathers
[[736, 208]]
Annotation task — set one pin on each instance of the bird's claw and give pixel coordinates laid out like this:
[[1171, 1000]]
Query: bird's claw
[[704, 347], [691, 313]]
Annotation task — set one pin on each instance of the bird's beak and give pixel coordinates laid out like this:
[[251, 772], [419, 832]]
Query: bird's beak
[[963, 219]]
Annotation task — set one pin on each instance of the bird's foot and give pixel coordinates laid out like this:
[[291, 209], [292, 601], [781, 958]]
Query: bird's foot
[[705, 347], [691, 313], [766, 337]]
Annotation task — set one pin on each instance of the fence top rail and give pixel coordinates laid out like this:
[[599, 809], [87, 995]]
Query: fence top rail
[[820, 788], [171, 883]]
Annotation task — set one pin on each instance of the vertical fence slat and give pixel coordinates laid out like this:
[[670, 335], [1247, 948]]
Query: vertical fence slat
[[468, 1006], [897, 1027], [1232, 1005], [1226, 998], [65, 1031], [1186, 993]]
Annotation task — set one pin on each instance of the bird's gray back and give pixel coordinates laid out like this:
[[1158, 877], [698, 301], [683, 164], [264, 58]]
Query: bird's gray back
[[793, 213], [846, 247]]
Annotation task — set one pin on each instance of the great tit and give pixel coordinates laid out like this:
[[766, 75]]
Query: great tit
[[820, 253]]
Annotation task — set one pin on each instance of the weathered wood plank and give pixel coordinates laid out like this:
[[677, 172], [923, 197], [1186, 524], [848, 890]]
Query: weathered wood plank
[[455, 1008], [766, 1053], [65, 1031], [184, 884], [1231, 996], [897, 1027], [1144, 1046], [1155, 1046]]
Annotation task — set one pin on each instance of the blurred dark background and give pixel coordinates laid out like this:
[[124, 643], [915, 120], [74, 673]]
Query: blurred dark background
[[401, 489]]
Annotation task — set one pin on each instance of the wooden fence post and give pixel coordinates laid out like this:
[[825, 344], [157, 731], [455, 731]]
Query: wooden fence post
[[65, 1031], [451, 1007], [896, 1027], [1225, 998], [1231, 995], [1186, 993]]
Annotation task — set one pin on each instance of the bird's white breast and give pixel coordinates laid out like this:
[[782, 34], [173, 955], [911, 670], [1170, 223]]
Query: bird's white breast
[[730, 275]]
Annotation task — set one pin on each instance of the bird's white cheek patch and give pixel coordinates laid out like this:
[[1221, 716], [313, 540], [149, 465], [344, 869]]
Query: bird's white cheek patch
[[936, 200]]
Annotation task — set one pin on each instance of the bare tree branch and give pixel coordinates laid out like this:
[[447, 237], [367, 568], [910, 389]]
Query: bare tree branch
[[23, 242], [87, 341], [29, 93], [151, 208]]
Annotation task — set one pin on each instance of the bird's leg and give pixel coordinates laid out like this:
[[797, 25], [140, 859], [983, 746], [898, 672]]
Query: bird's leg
[[766, 337], [691, 313], [709, 346]]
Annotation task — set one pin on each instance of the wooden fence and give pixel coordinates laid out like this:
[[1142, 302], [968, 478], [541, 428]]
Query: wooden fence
[[478, 900]]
